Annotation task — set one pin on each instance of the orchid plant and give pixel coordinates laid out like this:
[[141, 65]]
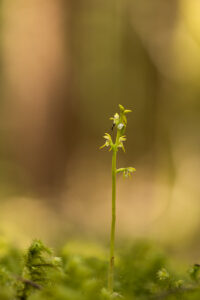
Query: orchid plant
[[120, 123]]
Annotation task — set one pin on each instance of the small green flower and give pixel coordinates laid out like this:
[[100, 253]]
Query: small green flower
[[108, 142], [128, 172], [115, 118], [121, 140]]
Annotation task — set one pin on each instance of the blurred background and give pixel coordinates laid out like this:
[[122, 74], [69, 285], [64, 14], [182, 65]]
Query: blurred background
[[65, 67]]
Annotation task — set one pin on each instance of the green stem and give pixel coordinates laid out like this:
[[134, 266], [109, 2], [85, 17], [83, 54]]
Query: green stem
[[112, 236]]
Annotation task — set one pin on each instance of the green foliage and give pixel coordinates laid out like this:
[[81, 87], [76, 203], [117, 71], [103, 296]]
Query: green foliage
[[142, 272], [194, 272], [38, 265]]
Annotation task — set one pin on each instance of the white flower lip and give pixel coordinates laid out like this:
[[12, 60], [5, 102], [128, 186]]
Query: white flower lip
[[120, 126]]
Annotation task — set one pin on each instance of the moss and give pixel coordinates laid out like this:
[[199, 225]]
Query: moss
[[143, 272]]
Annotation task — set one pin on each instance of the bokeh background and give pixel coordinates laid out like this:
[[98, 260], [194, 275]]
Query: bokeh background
[[65, 67]]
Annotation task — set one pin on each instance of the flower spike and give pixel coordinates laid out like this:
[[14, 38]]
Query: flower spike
[[119, 122]]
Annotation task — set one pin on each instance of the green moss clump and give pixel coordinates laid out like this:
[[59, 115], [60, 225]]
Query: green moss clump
[[142, 272]]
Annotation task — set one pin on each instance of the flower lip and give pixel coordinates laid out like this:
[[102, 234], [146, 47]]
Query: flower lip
[[120, 126]]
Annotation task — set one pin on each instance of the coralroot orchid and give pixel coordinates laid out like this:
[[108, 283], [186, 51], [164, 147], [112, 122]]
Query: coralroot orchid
[[120, 122]]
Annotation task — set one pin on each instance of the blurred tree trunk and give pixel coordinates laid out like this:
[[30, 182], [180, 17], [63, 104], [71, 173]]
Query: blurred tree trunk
[[38, 87]]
